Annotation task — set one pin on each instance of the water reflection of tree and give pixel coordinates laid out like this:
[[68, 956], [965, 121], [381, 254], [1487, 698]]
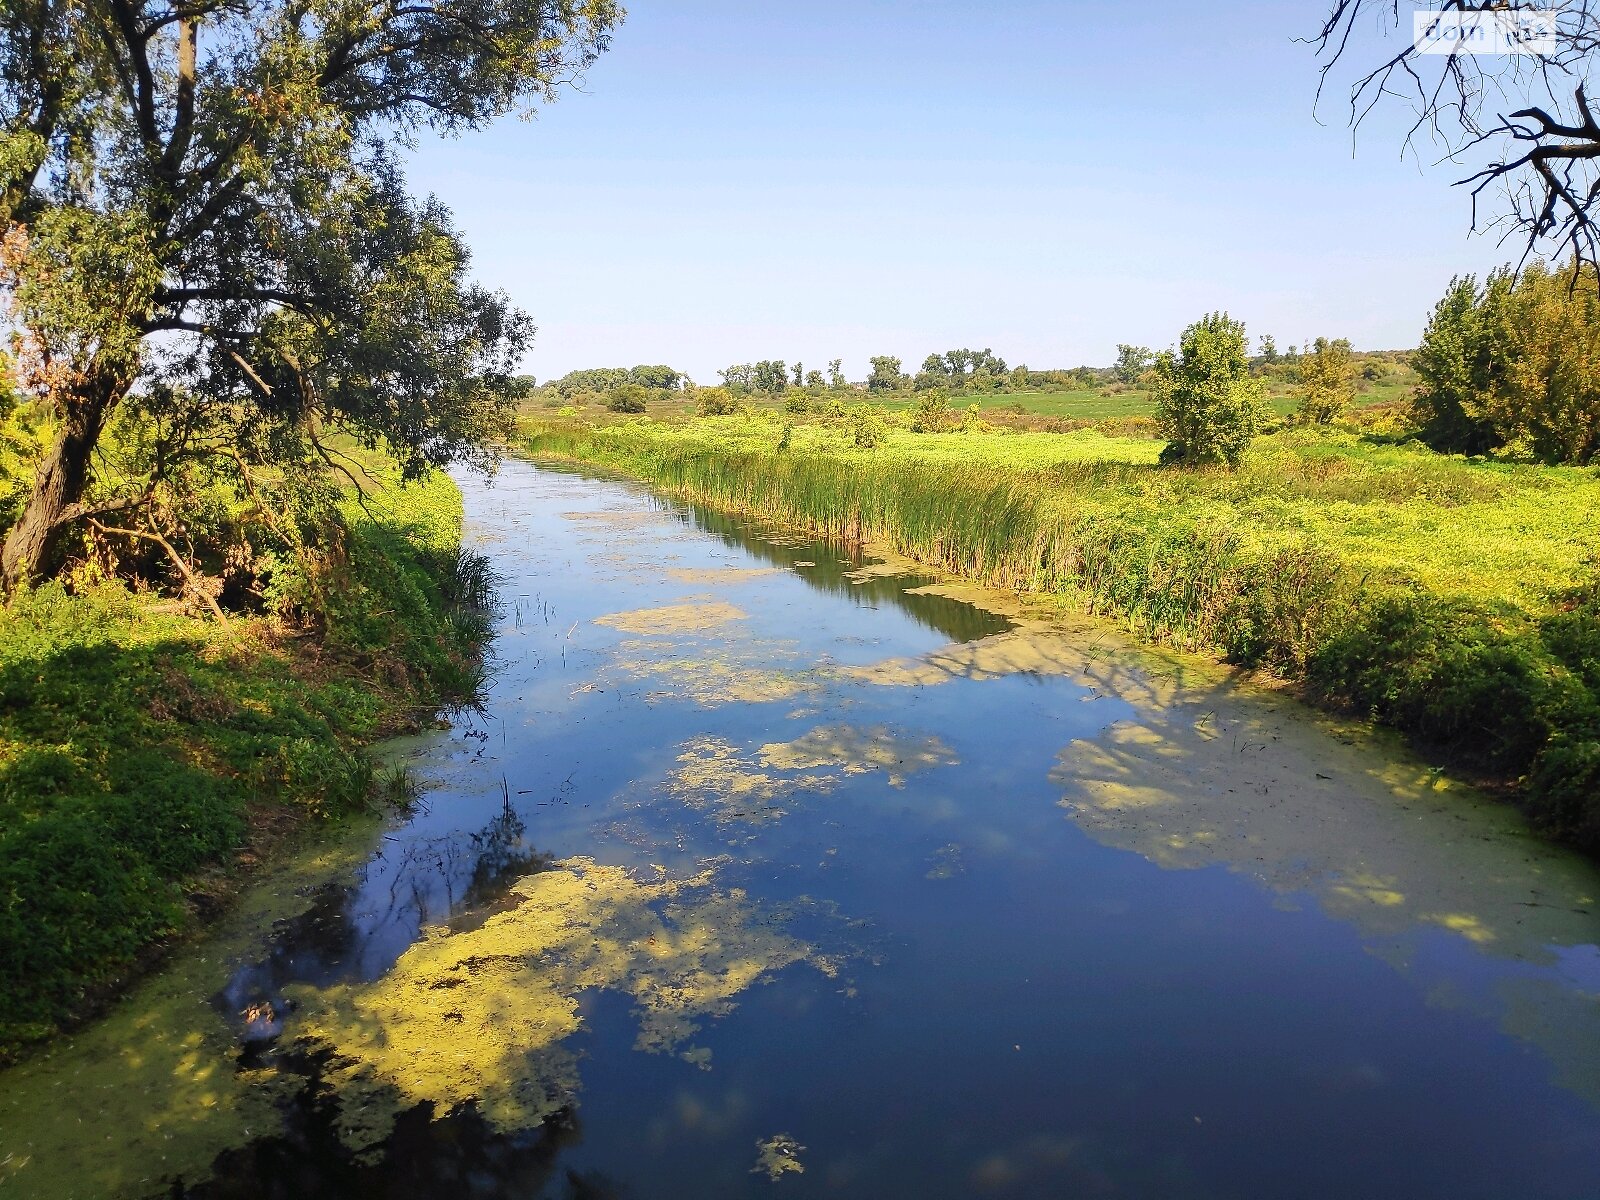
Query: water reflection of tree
[[502, 856], [340, 937], [427, 1156]]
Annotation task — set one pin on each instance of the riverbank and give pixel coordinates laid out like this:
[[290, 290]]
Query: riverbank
[[1453, 600], [152, 759]]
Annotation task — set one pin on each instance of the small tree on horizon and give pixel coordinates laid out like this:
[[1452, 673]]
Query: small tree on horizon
[[1132, 362], [1207, 405], [886, 376], [1327, 377]]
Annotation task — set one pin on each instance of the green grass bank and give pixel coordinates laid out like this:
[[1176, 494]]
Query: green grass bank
[[149, 756], [1456, 600]]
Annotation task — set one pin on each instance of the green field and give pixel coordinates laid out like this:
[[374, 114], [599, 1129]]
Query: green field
[[1454, 599]]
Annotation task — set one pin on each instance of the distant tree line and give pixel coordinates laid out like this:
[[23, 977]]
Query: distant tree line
[[620, 389], [601, 380]]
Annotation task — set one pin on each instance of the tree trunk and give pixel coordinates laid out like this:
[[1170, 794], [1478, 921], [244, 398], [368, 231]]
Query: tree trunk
[[58, 487]]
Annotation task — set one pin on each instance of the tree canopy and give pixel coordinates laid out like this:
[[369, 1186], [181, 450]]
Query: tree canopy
[[1207, 404], [1514, 365], [1327, 381], [207, 233]]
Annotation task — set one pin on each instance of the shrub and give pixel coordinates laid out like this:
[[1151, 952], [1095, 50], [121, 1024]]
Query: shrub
[[1326, 375], [1208, 405], [715, 402], [1514, 365], [134, 741], [1564, 790], [932, 413], [868, 429], [627, 398]]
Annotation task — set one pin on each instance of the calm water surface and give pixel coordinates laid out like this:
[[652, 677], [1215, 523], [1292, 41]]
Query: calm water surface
[[876, 925]]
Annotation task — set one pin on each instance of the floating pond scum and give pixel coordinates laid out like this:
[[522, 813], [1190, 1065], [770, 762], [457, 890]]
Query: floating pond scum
[[770, 865]]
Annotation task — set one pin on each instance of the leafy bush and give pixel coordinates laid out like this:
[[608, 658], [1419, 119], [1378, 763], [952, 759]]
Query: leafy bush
[[627, 398], [715, 402], [1564, 790], [1206, 402], [1326, 376], [868, 430], [932, 413], [1514, 365]]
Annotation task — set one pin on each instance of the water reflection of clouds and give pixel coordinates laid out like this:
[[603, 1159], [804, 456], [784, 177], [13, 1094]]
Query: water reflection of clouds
[[1210, 774]]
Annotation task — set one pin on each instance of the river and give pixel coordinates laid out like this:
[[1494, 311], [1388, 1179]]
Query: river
[[769, 866]]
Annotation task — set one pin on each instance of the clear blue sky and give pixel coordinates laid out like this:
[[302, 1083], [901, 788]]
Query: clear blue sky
[[745, 179]]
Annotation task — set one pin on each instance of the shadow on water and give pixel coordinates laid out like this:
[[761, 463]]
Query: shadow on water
[[830, 565], [1210, 774], [425, 1157]]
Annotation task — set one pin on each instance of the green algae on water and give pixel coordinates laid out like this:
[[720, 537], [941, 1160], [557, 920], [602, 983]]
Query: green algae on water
[[152, 1091], [668, 619], [712, 679], [715, 778], [480, 1016], [778, 1156], [856, 750]]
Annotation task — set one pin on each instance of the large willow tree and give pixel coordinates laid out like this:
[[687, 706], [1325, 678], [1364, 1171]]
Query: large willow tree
[[205, 224]]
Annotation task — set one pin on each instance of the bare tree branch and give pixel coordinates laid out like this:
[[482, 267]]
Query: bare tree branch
[[1546, 181]]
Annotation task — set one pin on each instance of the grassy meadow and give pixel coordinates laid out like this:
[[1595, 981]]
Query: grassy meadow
[[1452, 598], [1053, 410], [148, 754]]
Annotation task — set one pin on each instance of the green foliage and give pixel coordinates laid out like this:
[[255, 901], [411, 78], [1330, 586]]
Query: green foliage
[[932, 412], [885, 376], [1132, 362], [207, 221], [1546, 331], [716, 402], [1456, 364], [627, 398], [21, 443], [868, 429], [1453, 600], [1326, 382], [961, 371], [1206, 402], [604, 380], [770, 377], [137, 745], [1515, 366]]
